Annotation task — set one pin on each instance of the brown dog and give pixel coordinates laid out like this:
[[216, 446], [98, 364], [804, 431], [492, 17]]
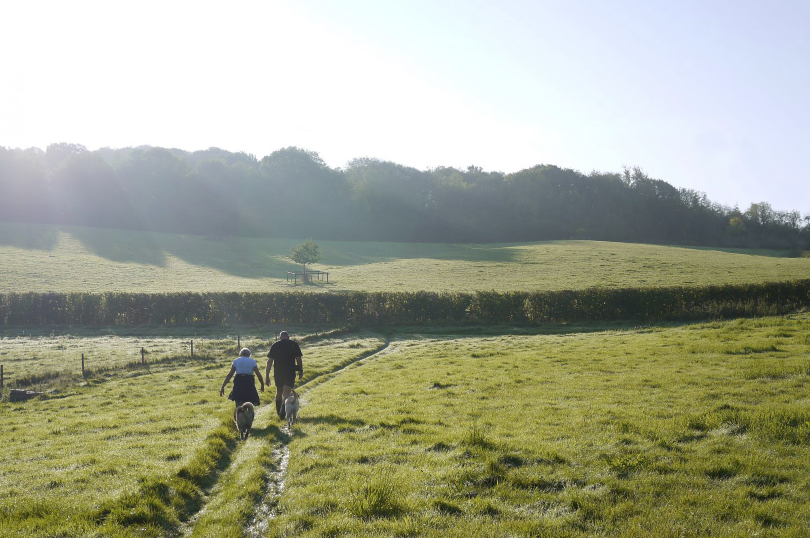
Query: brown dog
[[244, 419]]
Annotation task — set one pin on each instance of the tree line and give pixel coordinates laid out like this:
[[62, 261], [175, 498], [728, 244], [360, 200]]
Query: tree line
[[293, 193]]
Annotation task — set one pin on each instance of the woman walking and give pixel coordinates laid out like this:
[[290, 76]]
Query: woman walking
[[244, 385]]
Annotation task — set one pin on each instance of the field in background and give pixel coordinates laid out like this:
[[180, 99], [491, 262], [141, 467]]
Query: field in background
[[41, 258], [32, 357], [681, 430]]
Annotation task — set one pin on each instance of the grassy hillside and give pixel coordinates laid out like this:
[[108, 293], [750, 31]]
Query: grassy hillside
[[69, 259]]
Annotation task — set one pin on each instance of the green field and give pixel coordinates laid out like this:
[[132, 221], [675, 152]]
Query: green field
[[678, 430], [41, 258], [556, 430]]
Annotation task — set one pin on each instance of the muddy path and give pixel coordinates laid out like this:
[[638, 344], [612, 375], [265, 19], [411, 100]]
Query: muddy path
[[276, 480]]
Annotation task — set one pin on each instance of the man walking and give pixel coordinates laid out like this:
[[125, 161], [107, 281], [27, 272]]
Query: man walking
[[285, 359]]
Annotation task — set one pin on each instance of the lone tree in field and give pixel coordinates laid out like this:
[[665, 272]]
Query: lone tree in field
[[306, 252]]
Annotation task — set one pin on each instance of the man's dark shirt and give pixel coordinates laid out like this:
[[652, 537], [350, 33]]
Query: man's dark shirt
[[283, 354]]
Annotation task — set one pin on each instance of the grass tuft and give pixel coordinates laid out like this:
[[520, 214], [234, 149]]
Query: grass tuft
[[476, 438], [379, 497]]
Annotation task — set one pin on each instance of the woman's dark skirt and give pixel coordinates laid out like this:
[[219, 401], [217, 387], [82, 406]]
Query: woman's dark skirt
[[244, 389]]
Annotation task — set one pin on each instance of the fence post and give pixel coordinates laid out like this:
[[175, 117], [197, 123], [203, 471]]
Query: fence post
[[143, 356], [83, 365], [1, 376], [192, 349], [239, 341]]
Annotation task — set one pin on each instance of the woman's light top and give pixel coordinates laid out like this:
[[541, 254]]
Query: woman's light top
[[244, 365]]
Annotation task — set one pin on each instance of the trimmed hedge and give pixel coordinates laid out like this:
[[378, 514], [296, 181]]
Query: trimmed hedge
[[593, 304]]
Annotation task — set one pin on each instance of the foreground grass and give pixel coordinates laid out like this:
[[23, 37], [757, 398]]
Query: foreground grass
[[134, 451], [699, 430], [68, 457], [36, 258], [687, 430]]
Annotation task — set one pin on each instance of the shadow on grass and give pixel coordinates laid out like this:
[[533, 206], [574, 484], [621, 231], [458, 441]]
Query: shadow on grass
[[138, 247], [333, 420], [29, 236], [207, 480], [246, 257], [271, 432], [241, 257], [164, 501]]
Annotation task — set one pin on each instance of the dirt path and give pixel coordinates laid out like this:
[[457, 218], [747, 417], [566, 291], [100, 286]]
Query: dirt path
[[266, 509]]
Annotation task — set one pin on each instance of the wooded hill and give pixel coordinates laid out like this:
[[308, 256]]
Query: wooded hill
[[293, 193]]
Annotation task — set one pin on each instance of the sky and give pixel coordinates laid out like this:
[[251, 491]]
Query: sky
[[710, 95]]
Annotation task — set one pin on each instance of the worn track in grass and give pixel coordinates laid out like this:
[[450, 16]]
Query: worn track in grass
[[277, 477], [276, 471]]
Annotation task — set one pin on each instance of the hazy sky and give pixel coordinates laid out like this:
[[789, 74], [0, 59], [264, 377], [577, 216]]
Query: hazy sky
[[710, 95]]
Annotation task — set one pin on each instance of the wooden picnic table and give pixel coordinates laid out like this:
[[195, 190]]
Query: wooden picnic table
[[304, 274]]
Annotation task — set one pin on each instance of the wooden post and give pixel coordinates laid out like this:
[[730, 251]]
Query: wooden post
[[143, 356], [82, 364], [239, 341], [1, 376], [192, 349]]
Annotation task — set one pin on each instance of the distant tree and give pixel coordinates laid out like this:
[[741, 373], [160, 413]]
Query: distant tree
[[306, 252], [737, 224], [56, 154]]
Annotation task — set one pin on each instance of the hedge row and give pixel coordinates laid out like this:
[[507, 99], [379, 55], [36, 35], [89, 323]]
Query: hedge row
[[593, 304]]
